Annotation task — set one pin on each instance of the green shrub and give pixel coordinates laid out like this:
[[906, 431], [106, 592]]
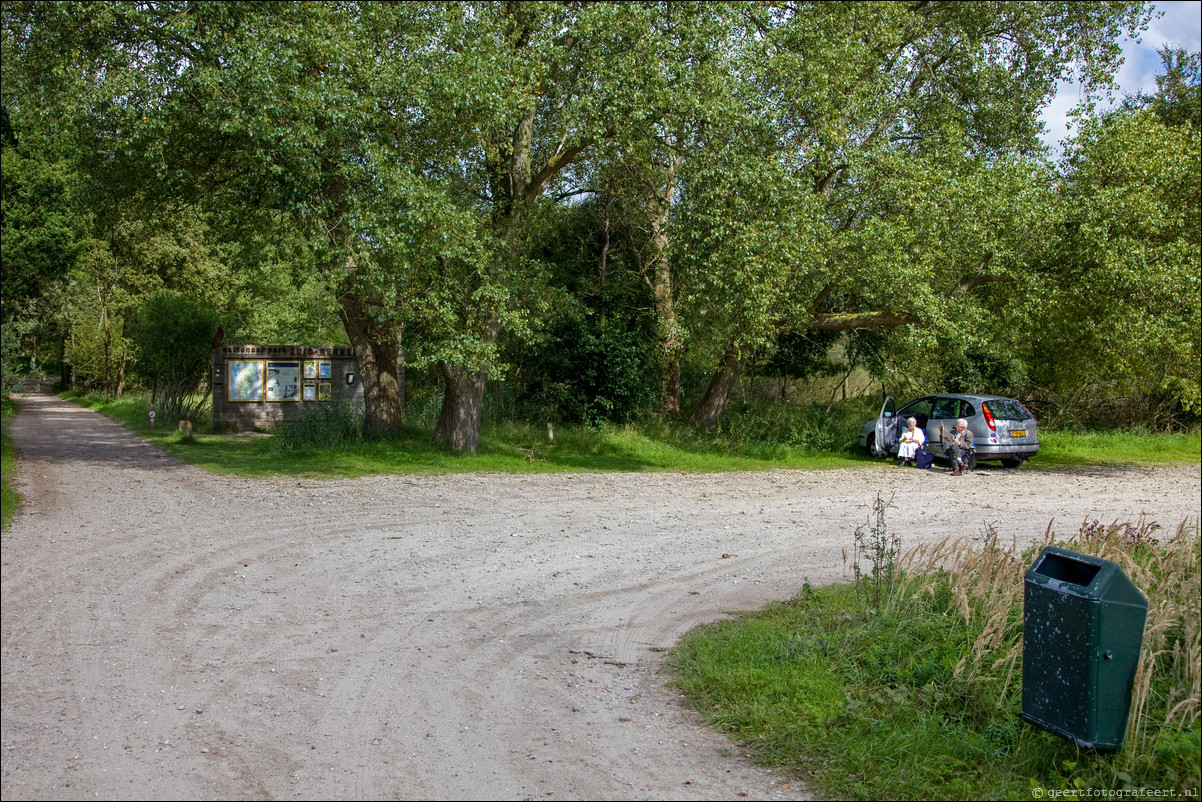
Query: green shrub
[[324, 426], [589, 372], [809, 427], [173, 335]]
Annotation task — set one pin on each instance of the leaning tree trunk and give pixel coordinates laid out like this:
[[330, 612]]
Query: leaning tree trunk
[[717, 395], [462, 403], [378, 351]]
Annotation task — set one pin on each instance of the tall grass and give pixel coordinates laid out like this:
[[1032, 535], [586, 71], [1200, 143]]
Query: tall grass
[[918, 697], [987, 591], [1066, 448]]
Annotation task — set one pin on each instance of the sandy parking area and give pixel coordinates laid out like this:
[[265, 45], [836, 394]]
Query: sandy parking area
[[168, 634]]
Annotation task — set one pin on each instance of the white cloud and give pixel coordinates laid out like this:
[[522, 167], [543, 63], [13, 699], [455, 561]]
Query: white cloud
[[1178, 26]]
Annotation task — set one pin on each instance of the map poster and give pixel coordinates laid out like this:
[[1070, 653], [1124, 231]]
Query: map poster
[[283, 381]]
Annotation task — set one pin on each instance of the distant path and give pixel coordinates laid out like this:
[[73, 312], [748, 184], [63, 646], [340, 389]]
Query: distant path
[[169, 634]]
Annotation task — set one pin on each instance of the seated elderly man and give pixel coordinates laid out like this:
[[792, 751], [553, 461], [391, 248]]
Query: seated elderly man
[[956, 444]]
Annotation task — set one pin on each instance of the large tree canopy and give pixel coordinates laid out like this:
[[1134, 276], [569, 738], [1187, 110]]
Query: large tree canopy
[[759, 170]]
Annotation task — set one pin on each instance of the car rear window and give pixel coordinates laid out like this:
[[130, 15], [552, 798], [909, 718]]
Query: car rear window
[[1007, 409]]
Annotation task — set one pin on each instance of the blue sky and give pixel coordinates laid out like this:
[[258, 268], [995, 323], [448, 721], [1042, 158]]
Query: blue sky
[[1178, 26]]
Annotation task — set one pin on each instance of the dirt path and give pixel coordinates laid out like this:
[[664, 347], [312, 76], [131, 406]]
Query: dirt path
[[168, 634]]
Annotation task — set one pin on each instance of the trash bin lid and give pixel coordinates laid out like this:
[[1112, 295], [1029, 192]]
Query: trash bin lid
[[1084, 575]]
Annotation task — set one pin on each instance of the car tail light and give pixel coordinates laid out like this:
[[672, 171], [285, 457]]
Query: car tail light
[[988, 417]]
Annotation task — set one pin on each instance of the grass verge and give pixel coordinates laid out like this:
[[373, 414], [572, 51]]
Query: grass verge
[[1076, 449], [505, 447], [326, 446], [9, 497], [919, 697]]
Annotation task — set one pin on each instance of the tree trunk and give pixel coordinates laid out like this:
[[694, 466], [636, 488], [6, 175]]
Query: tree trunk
[[66, 376], [121, 375], [659, 205], [122, 363], [108, 355], [717, 395], [462, 402], [378, 350]]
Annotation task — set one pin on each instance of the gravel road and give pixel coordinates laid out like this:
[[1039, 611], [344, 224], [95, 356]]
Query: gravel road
[[170, 634]]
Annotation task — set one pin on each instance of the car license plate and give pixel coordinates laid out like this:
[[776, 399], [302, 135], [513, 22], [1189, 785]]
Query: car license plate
[[1018, 433]]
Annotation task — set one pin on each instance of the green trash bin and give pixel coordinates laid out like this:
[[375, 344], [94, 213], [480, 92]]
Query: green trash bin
[[1083, 625]]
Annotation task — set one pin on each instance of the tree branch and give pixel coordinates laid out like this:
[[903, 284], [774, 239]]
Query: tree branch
[[968, 283], [849, 321]]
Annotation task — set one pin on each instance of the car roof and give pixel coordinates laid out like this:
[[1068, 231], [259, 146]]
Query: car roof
[[973, 396]]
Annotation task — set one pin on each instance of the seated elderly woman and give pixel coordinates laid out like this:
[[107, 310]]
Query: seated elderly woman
[[911, 440]]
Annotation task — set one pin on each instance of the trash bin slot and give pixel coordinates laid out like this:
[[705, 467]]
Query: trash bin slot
[[1066, 569]]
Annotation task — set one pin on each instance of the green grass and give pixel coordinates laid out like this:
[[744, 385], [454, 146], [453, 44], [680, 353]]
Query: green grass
[[1075, 449], [9, 497], [865, 703], [749, 440], [505, 447]]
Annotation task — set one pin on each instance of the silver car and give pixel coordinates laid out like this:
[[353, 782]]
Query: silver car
[[1002, 428]]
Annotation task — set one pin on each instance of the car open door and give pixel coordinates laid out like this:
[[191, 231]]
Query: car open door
[[886, 428]]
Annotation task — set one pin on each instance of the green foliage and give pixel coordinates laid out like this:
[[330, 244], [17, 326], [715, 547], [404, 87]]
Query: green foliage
[[808, 428], [1178, 97], [801, 355], [173, 333], [40, 227], [1117, 313], [13, 366], [454, 178], [588, 372], [983, 370]]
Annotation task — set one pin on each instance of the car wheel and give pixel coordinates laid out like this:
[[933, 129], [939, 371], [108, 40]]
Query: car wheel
[[1013, 462], [970, 461], [870, 445]]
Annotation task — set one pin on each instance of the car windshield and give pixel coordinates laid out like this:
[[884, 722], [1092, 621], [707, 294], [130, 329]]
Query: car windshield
[[1007, 409]]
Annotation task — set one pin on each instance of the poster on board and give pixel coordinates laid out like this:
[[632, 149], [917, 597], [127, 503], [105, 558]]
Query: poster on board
[[245, 381], [283, 381]]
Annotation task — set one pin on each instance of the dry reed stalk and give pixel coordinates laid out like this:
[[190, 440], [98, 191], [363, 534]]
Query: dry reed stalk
[[1171, 650], [987, 590]]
